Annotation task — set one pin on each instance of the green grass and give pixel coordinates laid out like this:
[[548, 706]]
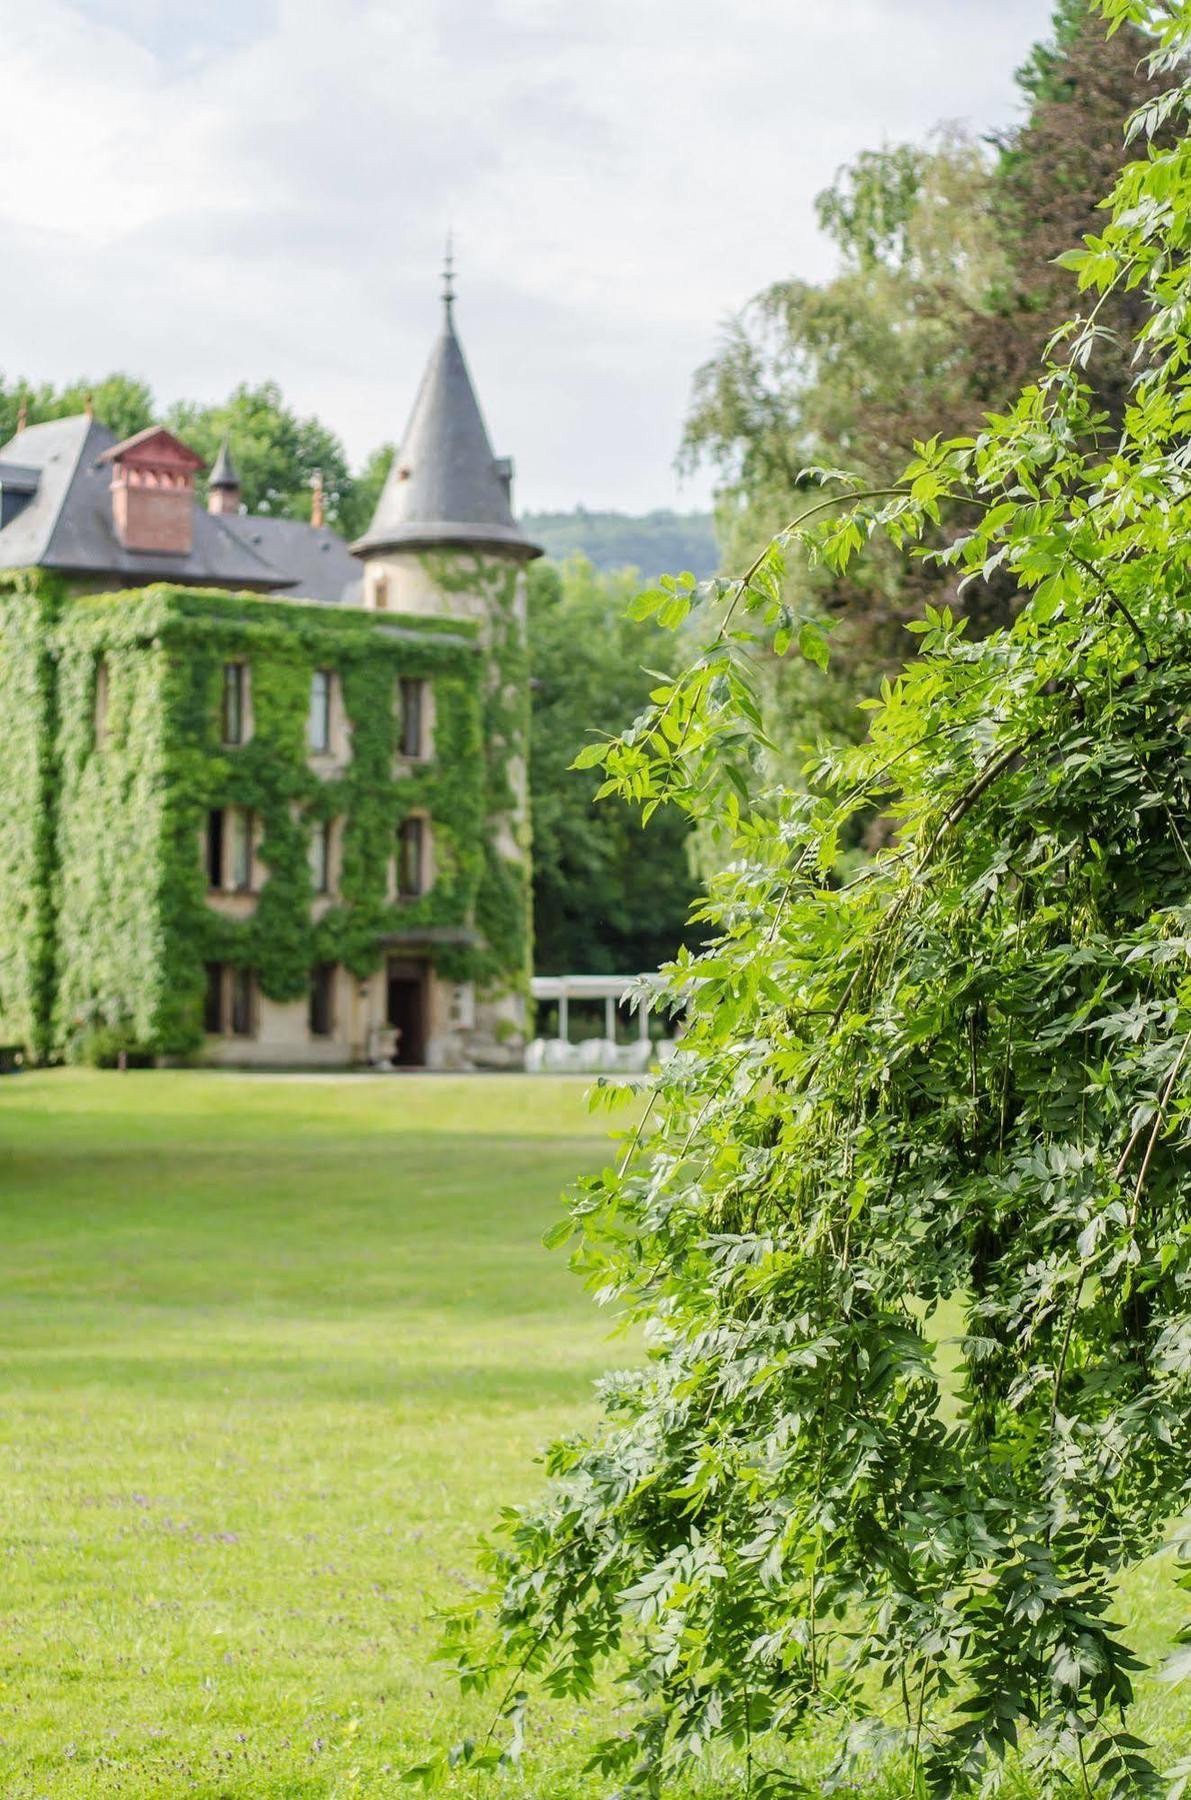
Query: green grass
[[274, 1351]]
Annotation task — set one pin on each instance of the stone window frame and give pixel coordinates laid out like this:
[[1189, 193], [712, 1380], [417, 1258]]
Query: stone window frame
[[241, 687], [336, 750], [231, 1005], [425, 839], [238, 829], [321, 1001], [324, 857], [423, 744]]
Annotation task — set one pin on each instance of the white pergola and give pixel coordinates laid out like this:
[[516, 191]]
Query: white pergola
[[608, 988]]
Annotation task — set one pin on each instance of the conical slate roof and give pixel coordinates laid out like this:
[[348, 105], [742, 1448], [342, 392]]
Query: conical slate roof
[[446, 489], [224, 475]]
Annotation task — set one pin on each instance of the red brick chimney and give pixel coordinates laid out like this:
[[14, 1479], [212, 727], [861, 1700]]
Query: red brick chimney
[[317, 501], [153, 492]]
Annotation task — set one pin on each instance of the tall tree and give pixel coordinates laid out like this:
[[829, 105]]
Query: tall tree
[[960, 1085], [947, 292], [276, 452], [120, 402], [610, 896], [1052, 172]]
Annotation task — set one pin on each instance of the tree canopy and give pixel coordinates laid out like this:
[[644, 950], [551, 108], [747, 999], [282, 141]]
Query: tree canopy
[[908, 1218], [119, 401], [947, 291], [609, 898], [276, 451]]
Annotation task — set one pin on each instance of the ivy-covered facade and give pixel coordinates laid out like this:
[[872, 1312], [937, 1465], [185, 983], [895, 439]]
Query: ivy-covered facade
[[252, 827]]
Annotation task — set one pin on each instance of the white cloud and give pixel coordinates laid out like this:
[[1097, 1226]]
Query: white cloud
[[247, 189]]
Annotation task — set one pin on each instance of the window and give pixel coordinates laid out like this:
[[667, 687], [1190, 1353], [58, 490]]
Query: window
[[215, 848], [213, 1000], [411, 859], [229, 1008], [413, 717], [235, 691], [241, 871], [101, 704], [322, 1000], [243, 997], [318, 730], [321, 838], [380, 593], [229, 849]]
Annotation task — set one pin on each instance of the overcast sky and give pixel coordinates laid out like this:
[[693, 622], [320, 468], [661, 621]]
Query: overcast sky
[[226, 190]]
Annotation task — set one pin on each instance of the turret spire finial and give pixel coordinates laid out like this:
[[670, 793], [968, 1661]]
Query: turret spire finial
[[448, 275]]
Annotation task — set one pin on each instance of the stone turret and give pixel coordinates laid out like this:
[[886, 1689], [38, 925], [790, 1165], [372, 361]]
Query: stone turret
[[443, 541], [446, 491]]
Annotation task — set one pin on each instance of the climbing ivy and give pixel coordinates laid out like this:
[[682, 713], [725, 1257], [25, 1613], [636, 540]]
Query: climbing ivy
[[135, 924], [29, 605], [494, 588]]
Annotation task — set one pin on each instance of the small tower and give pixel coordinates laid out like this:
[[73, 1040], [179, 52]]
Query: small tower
[[446, 491], [223, 486], [443, 541]]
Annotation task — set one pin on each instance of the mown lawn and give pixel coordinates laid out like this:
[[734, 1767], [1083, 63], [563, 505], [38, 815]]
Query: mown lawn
[[273, 1352]]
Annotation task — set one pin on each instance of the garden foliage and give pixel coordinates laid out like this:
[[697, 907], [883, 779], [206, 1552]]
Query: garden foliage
[[607, 896], [908, 1222]]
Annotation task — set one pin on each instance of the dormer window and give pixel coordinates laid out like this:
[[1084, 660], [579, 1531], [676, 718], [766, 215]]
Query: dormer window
[[17, 487]]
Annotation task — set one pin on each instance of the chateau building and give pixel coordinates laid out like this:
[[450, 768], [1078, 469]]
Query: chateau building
[[265, 793]]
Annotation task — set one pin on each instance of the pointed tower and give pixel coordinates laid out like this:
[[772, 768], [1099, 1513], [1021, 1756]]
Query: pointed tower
[[444, 541], [446, 491], [223, 483]]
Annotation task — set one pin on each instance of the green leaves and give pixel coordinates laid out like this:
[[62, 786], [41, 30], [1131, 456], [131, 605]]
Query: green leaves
[[812, 643], [669, 602], [910, 1230]]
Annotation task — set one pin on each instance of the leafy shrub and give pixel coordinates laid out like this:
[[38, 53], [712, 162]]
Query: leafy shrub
[[908, 1222]]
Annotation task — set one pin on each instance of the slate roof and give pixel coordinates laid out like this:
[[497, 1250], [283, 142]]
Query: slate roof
[[316, 562], [67, 525], [446, 489]]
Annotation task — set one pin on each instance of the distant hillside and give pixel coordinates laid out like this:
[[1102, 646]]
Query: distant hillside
[[657, 543]]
